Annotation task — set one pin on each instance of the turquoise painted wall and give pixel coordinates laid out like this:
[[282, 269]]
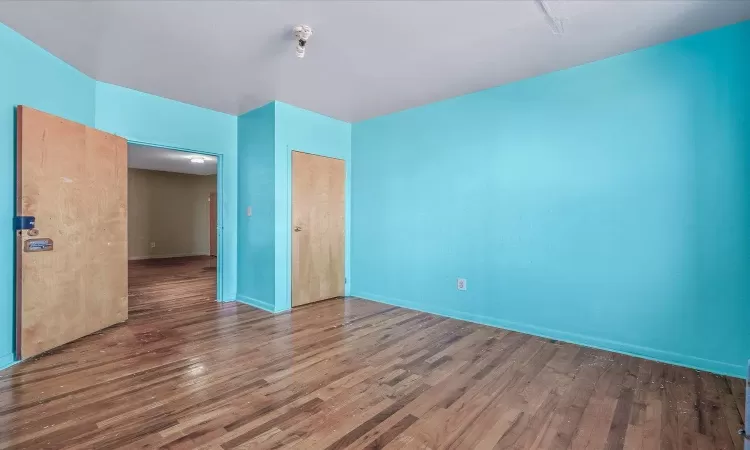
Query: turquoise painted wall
[[152, 120], [31, 77], [256, 185], [309, 132], [605, 205]]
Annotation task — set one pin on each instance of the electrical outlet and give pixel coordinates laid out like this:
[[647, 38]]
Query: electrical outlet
[[461, 284], [153, 244]]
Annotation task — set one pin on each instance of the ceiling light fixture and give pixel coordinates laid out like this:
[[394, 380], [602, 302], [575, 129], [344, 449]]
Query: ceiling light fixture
[[302, 33]]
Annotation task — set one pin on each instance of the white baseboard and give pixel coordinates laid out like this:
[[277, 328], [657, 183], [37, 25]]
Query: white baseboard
[[178, 255], [255, 302]]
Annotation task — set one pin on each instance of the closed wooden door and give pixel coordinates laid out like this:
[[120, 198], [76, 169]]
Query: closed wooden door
[[318, 199], [212, 223], [71, 271]]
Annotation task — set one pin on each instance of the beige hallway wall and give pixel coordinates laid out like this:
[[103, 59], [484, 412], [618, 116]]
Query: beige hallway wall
[[169, 209]]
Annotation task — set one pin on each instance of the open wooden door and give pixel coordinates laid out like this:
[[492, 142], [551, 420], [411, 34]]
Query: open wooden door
[[318, 203], [71, 267]]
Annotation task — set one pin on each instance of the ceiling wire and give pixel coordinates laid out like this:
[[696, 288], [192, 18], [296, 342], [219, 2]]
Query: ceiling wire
[[555, 23]]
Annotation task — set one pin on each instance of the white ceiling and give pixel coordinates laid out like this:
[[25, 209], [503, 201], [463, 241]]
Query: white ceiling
[[365, 58], [156, 158]]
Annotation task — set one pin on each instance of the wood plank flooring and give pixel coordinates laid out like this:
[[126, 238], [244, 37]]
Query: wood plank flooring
[[186, 372]]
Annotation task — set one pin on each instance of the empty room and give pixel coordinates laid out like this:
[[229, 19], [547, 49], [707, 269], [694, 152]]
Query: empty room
[[399, 224], [172, 229]]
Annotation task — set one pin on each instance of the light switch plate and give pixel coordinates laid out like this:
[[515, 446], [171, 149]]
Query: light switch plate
[[249, 211], [461, 284]]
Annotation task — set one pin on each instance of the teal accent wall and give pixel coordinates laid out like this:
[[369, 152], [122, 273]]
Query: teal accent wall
[[256, 234], [267, 137], [606, 205], [30, 76], [157, 121], [309, 132]]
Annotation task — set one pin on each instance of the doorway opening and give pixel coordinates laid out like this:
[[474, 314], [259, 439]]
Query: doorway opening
[[173, 221]]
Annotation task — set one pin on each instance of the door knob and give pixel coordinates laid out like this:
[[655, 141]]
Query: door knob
[[297, 228]]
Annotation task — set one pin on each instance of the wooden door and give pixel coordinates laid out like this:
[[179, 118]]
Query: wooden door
[[73, 180], [212, 223], [318, 196]]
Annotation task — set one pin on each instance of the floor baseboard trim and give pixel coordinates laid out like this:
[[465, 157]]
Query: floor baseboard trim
[[179, 255], [708, 365], [7, 361], [230, 297], [256, 303]]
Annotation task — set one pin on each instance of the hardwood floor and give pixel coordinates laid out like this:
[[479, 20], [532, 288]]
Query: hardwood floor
[[186, 372]]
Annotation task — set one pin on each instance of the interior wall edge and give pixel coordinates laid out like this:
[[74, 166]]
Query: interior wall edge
[[256, 189], [664, 356]]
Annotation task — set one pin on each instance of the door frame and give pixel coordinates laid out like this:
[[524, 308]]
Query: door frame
[[213, 235], [219, 207]]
